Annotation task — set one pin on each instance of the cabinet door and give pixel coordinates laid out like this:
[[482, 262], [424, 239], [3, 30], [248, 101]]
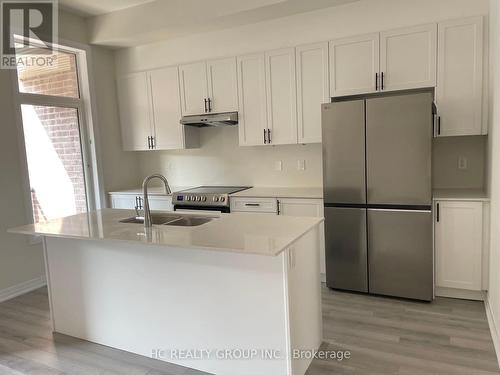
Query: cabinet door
[[135, 111], [193, 79], [309, 208], [354, 65], [252, 99], [300, 207], [124, 201], [408, 57], [222, 85], [169, 133], [281, 96], [160, 203], [312, 90], [460, 76], [458, 236]]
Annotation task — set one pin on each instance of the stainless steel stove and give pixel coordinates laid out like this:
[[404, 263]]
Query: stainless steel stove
[[212, 198]]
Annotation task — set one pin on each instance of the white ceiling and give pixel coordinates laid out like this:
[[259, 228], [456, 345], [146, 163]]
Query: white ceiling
[[90, 8], [125, 23]]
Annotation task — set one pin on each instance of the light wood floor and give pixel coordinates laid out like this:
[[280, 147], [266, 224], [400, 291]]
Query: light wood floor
[[385, 336]]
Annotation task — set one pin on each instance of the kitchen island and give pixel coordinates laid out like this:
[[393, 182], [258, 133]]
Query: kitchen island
[[239, 294]]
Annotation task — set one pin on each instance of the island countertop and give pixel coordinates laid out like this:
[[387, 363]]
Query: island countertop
[[253, 234]]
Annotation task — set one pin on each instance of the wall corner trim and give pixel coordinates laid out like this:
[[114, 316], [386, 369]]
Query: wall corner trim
[[495, 334], [22, 288]]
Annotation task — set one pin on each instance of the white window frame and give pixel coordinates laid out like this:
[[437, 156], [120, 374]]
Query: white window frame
[[89, 135]]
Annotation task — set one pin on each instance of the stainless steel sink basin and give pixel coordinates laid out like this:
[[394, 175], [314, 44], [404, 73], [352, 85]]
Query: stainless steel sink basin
[[190, 221], [155, 218], [170, 219]]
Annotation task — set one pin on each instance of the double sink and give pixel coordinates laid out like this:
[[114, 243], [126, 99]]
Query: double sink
[[171, 219]]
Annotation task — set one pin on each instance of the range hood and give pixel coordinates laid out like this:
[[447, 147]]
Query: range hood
[[211, 119]]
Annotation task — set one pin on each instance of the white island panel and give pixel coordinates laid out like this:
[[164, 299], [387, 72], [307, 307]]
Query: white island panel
[[151, 299]]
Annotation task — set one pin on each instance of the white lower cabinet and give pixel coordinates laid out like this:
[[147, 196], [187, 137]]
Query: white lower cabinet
[[460, 245], [287, 207], [131, 201]]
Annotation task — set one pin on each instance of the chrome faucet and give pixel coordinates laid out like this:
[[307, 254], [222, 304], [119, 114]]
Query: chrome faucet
[[147, 211]]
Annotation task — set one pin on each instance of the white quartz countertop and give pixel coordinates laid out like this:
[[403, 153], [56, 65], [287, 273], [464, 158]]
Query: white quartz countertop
[[281, 192], [253, 234], [152, 190], [460, 194]]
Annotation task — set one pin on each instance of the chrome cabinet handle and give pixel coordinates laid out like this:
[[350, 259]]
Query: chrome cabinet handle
[[153, 145], [269, 135], [439, 125], [382, 81], [252, 204], [437, 212], [376, 81], [265, 140], [209, 105], [205, 100], [149, 143]]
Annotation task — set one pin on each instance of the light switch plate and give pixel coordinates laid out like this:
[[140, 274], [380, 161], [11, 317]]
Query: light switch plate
[[462, 162], [278, 165], [301, 165]]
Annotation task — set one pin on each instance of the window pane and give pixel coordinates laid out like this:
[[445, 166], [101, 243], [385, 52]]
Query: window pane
[[57, 77], [55, 162]]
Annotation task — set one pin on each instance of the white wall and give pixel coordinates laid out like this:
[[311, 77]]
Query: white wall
[[494, 169], [19, 262], [351, 19]]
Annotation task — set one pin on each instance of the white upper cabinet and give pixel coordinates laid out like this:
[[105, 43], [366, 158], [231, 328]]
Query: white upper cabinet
[[312, 90], [458, 244], [354, 65], [194, 88], [168, 132], [222, 85], [460, 77], [408, 58], [150, 111], [252, 125], [281, 93], [209, 86], [135, 111]]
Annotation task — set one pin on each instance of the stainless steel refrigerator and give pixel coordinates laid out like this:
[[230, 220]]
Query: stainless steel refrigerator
[[377, 194]]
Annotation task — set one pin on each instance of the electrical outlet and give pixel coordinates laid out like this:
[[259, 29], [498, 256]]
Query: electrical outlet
[[301, 165], [462, 162], [278, 165]]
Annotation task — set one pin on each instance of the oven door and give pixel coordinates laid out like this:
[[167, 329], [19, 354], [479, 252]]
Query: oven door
[[197, 209]]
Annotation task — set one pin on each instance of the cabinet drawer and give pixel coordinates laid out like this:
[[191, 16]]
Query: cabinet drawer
[[254, 205]]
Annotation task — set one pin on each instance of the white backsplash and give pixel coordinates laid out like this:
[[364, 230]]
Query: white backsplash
[[221, 161]]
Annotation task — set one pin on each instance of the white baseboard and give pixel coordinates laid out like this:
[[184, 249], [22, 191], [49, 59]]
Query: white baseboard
[[495, 334], [477, 295], [22, 288]]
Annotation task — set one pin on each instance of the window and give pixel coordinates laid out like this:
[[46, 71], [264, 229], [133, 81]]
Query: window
[[56, 135]]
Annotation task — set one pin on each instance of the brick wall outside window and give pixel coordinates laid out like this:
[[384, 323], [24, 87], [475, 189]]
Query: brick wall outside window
[[61, 125]]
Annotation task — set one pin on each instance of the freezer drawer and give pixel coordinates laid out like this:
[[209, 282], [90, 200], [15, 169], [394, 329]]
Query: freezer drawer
[[343, 126], [398, 149], [345, 247], [400, 253]]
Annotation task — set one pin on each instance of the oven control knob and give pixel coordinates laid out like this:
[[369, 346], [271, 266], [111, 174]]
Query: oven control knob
[[216, 199], [198, 198], [204, 199], [222, 199]]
